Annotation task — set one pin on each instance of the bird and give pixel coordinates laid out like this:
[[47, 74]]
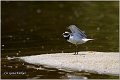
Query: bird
[[76, 36]]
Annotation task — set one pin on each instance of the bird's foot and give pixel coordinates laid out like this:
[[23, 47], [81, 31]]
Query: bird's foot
[[74, 54], [77, 53]]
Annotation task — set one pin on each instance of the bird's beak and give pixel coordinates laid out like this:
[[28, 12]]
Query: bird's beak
[[62, 34]]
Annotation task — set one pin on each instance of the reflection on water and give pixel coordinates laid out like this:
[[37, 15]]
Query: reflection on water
[[33, 28]]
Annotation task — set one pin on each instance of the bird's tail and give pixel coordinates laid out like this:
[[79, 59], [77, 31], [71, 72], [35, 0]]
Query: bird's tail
[[87, 39], [90, 39]]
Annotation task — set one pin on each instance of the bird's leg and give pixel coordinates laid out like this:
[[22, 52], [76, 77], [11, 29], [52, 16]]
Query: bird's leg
[[76, 49]]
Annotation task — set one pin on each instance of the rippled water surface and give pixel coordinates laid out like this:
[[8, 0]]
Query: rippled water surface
[[34, 28]]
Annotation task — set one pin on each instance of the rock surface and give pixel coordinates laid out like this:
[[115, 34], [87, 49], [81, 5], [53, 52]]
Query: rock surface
[[100, 62]]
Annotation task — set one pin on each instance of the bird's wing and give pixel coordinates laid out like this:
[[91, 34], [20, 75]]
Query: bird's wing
[[76, 31]]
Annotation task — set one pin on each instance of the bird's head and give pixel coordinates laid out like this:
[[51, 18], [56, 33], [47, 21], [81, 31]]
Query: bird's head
[[66, 35]]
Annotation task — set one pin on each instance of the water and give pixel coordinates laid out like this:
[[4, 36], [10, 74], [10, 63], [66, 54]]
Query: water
[[34, 28]]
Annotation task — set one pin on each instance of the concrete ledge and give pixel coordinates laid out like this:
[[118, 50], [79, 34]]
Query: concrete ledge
[[100, 62]]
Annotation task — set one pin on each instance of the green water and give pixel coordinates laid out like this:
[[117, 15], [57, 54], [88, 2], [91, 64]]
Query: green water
[[33, 28]]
